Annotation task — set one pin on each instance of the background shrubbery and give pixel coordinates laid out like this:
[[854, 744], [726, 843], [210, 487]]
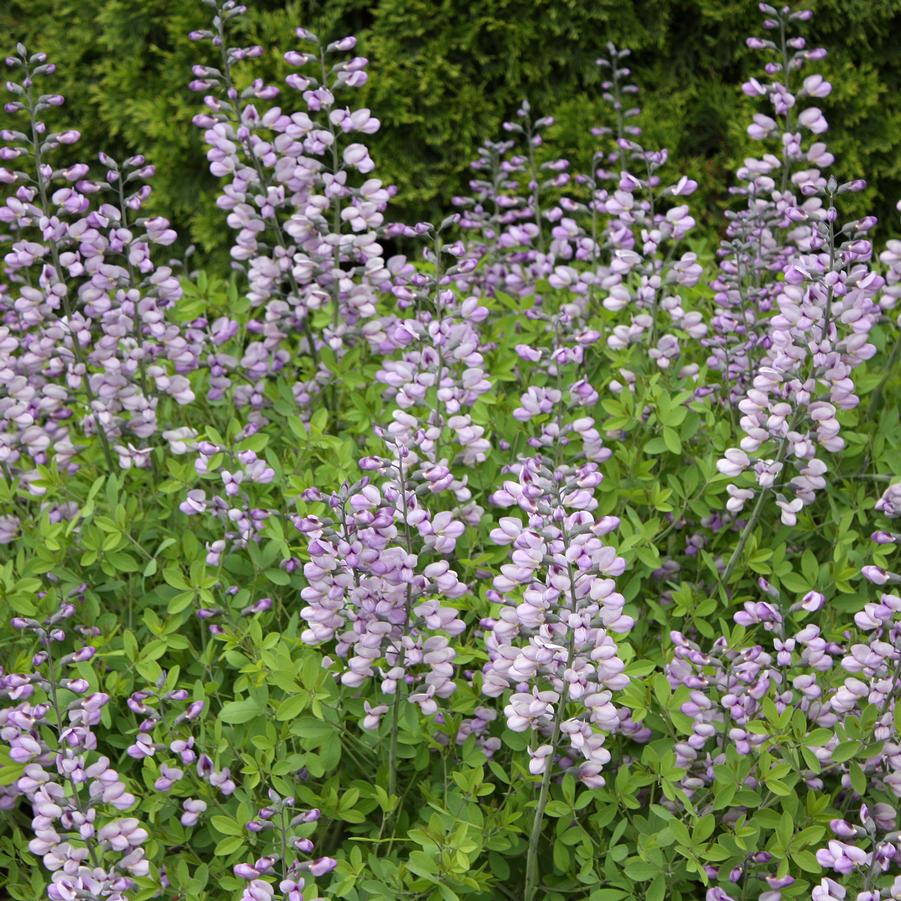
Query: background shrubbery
[[450, 72]]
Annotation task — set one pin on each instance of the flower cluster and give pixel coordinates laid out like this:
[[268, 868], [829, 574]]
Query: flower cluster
[[507, 216], [237, 510], [77, 798], [372, 587], [553, 642], [438, 371], [306, 226], [792, 342], [827, 306], [737, 694], [87, 346], [289, 828], [762, 237]]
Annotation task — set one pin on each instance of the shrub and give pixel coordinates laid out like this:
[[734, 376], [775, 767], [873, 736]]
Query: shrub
[[448, 77], [552, 560]]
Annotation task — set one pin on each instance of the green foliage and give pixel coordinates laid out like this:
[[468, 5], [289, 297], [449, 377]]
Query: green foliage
[[446, 74], [458, 823], [457, 829]]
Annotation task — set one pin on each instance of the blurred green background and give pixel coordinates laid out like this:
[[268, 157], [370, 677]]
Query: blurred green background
[[444, 74]]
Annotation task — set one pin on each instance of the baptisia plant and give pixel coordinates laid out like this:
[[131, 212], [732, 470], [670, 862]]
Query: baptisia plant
[[837, 687], [827, 305], [437, 372], [358, 624], [88, 347], [552, 646], [77, 797], [379, 569], [598, 236], [289, 827], [762, 236], [633, 217], [507, 217], [305, 221], [823, 307], [378, 580]]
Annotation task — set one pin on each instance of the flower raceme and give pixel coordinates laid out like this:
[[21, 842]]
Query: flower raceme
[[88, 344], [77, 798], [552, 644], [798, 291], [369, 590], [306, 226], [827, 305], [762, 237]]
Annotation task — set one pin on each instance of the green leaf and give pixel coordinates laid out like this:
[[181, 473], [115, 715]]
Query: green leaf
[[657, 889], [123, 562], [278, 577], [229, 846], [858, 778], [422, 864], [226, 825], [662, 690], [11, 773], [179, 602], [236, 712], [561, 857], [680, 831], [794, 582], [704, 828], [516, 741], [807, 862], [785, 828], [655, 446], [313, 731], [641, 870], [778, 788], [671, 440], [319, 420], [818, 737], [809, 566], [173, 576], [557, 809], [845, 751], [292, 707]]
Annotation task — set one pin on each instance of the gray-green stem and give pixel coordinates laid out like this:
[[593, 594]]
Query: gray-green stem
[[532, 874], [745, 535], [395, 712]]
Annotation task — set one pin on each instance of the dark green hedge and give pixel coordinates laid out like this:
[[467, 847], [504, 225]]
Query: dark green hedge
[[445, 73]]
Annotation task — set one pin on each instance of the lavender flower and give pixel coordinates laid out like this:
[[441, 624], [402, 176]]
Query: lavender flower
[[552, 644], [368, 588]]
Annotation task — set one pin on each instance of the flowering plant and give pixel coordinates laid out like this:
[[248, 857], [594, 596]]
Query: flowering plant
[[552, 557]]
